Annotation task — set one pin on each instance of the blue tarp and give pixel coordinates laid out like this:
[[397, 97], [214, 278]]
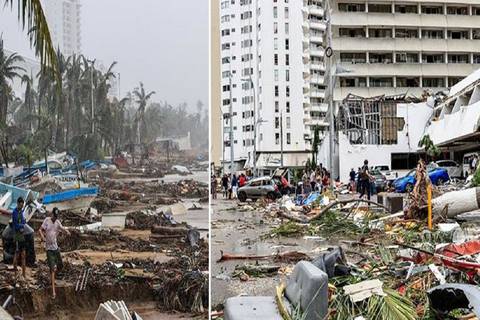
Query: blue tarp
[[69, 195]]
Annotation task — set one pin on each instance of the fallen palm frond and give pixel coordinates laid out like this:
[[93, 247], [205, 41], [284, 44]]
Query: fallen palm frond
[[288, 229], [332, 223], [390, 306]]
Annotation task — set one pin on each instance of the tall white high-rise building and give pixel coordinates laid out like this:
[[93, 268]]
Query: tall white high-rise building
[[272, 70], [394, 47], [63, 17]]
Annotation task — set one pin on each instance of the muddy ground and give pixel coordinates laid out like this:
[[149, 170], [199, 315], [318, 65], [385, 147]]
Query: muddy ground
[[126, 265], [247, 232]]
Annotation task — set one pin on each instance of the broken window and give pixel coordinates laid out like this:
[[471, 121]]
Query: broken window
[[476, 58], [432, 34], [380, 57], [353, 82], [351, 7], [458, 58], [433, 58], [378, 7], [406, 33], [353, 57], [408, 82], [352, 32], [432, 9], [453, 81], [457, 10], [457, 34], [475, 34], [433, 82], [381, 82], [406, 57], [406, 8], [380, 33]]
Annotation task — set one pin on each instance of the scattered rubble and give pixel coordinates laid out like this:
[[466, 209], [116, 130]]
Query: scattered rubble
[[391, 263], [126, 245]]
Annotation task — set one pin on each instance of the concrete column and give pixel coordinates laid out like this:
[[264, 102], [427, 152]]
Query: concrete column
[[367, 32], [445, 8], [446, 57], [446, 81], [366, 6], [393, 7], [367, 56], [419, 33], [419, 8], [393, 32], [421, 81], [470, 10], [471, 58]]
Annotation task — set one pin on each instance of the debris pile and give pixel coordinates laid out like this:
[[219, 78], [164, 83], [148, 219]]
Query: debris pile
[[416, 260], [124, 242]]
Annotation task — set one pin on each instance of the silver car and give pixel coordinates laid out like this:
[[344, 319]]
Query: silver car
[[258, 188]]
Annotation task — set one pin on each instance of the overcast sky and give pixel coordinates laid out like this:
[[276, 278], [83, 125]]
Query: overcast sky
[[163, 43]]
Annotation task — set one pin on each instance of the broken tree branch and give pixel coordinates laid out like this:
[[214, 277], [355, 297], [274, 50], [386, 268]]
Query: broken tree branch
[[332, 204]]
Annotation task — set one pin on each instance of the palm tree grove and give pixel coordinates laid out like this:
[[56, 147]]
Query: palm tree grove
[[103, 191]]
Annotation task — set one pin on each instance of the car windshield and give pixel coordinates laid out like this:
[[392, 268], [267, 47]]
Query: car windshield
[[382, 168], [411, 173]]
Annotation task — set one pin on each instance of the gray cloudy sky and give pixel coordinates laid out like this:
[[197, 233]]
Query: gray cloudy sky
[[163, 43]]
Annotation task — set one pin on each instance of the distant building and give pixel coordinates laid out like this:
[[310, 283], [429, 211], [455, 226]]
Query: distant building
[[180, 143], [63, 17]]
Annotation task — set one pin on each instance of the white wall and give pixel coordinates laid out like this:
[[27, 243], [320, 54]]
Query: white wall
[[352, 156]]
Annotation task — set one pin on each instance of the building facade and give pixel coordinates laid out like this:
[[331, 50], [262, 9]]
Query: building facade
[[271, 77], [63, 18], [394, 47]]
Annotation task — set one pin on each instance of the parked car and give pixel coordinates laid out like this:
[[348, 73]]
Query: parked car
[[380, 180], [258, 188], [438, 176], [454, 169], [385, 170]]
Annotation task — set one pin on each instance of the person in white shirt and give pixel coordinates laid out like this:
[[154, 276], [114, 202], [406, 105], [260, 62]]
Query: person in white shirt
[[49, 231]]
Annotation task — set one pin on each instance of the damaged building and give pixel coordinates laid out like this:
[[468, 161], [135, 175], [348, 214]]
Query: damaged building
[[387, 130]]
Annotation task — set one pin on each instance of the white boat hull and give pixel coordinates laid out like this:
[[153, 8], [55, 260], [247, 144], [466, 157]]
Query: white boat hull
[[78, 205]]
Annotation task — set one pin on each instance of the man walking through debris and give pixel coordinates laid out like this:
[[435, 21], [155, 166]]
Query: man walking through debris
[[49, 231], [18, 223], [234, 186], [365, 180], [225, 186]]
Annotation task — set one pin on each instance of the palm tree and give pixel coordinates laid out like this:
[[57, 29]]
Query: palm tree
[[32, 17], [9, 70], [142, 100], [29, 100]]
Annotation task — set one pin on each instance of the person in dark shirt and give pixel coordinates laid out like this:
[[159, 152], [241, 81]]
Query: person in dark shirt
[[18, 224], [365, 180], [225, 186]]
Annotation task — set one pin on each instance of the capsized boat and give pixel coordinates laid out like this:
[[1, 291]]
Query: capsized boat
[[76, 200]]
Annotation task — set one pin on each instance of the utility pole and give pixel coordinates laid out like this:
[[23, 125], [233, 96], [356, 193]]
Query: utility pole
[[92, 102], [330, 91], [254, 128], [281, 138], [231, 124]]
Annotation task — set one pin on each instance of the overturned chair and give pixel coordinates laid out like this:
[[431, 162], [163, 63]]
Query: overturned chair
[[306, 290]]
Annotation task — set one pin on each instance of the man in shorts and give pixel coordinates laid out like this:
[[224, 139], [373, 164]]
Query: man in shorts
[[49, 231]]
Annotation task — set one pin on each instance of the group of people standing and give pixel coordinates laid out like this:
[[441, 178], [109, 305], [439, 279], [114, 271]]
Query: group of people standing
[[230, 184], [314, 180], [49, 231]]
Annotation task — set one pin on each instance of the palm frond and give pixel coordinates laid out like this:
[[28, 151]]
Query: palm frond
[[32, 18]]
